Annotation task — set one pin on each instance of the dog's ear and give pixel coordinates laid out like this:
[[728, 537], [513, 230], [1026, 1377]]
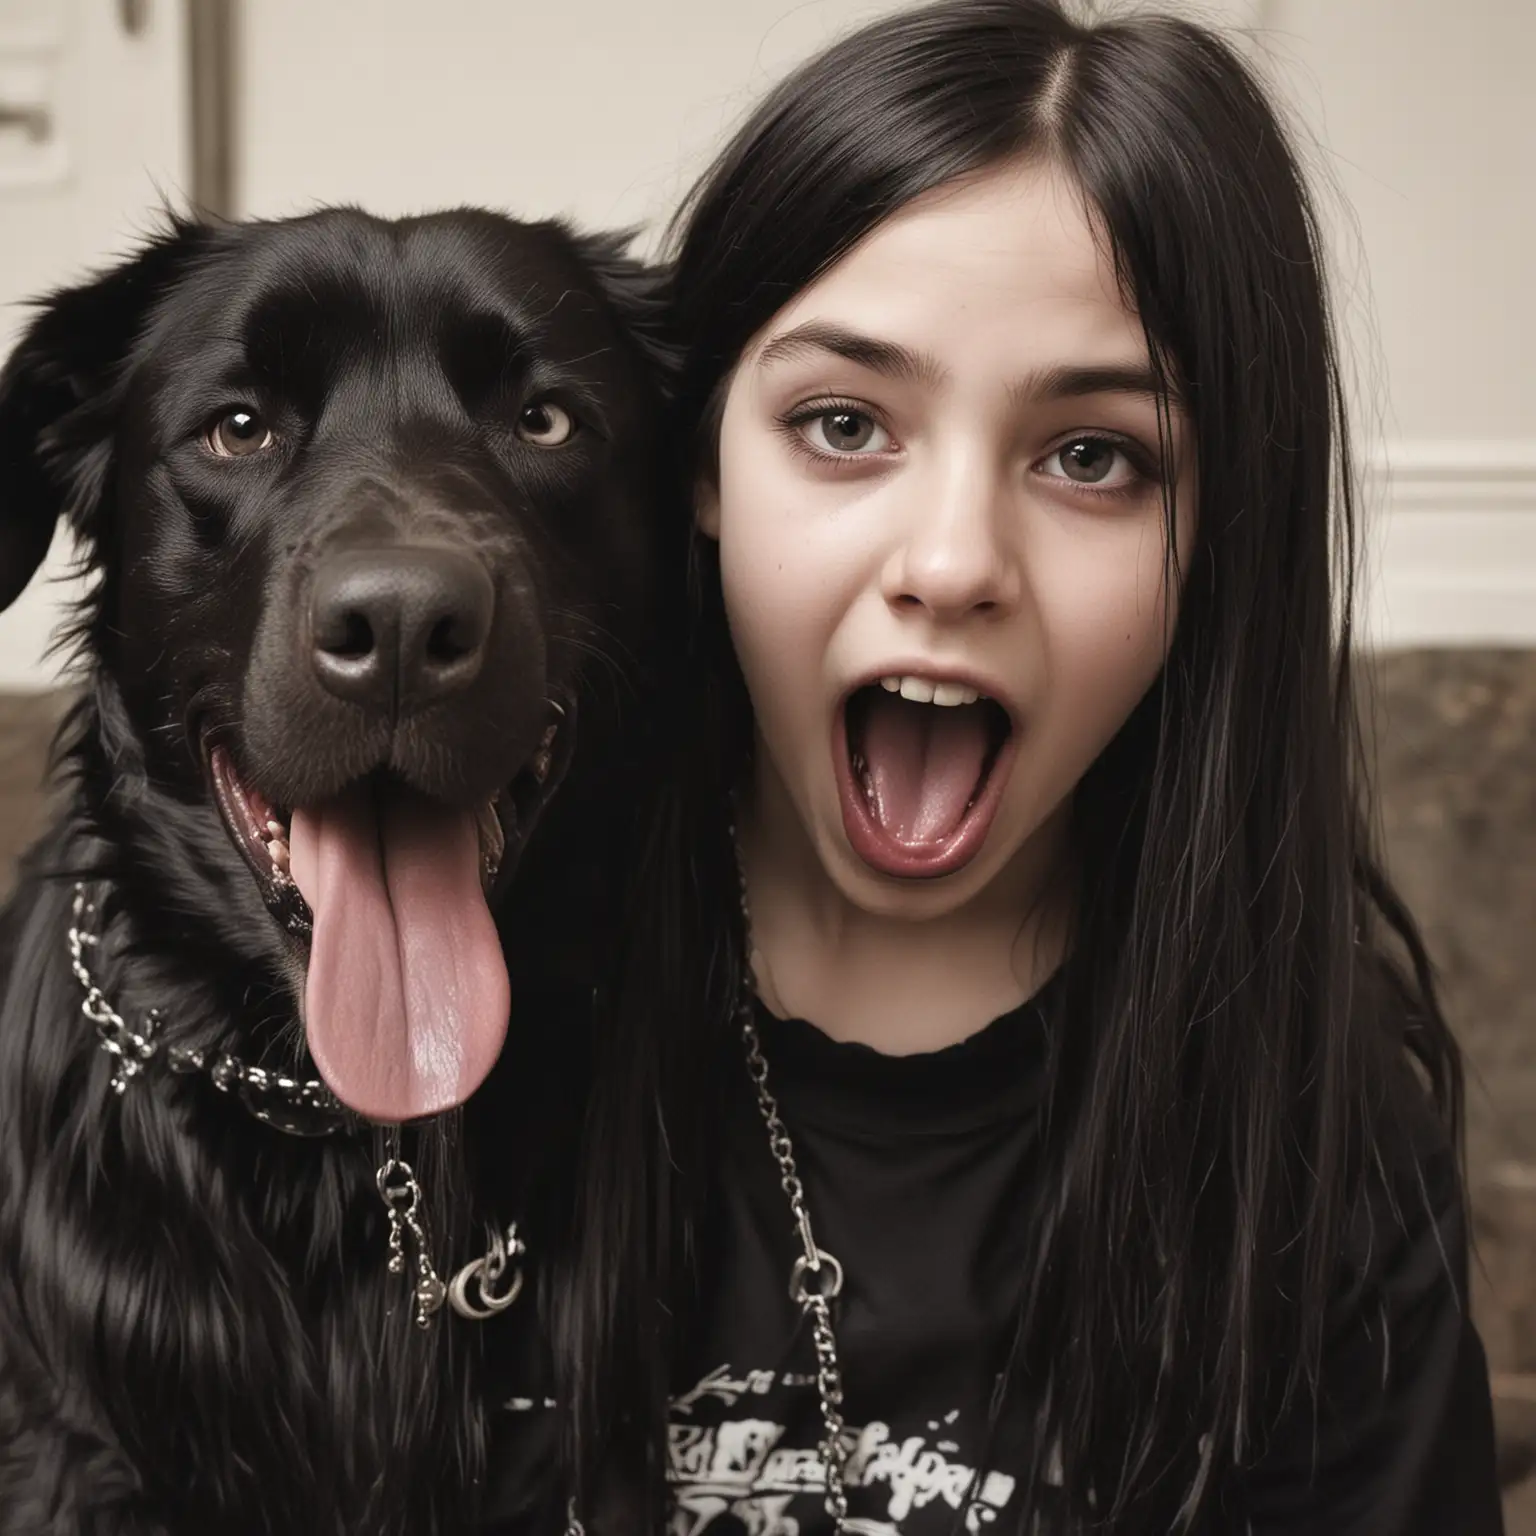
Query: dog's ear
[[638, 292], [59, 393]]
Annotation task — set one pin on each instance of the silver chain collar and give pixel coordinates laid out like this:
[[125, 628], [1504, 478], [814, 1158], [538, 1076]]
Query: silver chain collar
[[483, 1288], [816, 1279], [296, 1106]]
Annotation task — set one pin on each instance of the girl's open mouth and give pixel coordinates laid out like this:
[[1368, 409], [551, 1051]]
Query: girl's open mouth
[[920, 768]]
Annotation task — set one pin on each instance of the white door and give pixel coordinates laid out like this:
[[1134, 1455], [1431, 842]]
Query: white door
[[93, 140]]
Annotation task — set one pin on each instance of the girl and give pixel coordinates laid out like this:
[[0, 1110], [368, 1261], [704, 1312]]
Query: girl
[[1028, 1104]]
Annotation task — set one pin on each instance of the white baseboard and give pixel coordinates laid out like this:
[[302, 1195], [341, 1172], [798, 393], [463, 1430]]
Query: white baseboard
[[1450, 532]]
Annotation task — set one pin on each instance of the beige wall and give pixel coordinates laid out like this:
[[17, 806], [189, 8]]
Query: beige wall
[[1427, 119], [597, 109]]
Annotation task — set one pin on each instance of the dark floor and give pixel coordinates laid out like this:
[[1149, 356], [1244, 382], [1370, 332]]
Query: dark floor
[[1456, 750]]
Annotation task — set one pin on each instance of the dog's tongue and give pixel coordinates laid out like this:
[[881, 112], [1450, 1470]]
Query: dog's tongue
[[924, 763], [407, 1000]]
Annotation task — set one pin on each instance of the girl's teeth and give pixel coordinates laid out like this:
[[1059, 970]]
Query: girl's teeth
[[923, 691]]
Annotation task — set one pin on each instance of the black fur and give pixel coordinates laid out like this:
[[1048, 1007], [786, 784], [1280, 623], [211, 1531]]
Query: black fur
[[197, 1329]]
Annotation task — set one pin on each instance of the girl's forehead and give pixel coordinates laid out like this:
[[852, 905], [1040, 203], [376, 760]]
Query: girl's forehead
[[1011, 254]]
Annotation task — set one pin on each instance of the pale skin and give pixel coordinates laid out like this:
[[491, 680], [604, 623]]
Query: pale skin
[[976, 502]]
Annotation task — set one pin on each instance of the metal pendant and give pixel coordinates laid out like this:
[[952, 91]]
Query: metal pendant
[[477, 1291]]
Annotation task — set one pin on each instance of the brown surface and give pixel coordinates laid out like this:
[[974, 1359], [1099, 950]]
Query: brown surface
[[1457, 770], [1456, 748], [1457, 754], [27, 722], [1520, 1509]]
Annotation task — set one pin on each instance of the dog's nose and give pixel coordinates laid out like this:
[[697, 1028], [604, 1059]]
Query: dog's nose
[[398, 629]]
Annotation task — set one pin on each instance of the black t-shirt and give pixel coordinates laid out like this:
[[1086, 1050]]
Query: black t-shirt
[[916, 1171]]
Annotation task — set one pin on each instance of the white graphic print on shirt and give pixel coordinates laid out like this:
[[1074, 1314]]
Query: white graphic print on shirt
[[727, 1458]]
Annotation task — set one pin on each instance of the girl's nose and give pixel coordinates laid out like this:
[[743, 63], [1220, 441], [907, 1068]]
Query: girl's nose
[[956, 558]]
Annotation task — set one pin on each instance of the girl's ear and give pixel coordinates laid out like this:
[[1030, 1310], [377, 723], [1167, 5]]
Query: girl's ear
[[706, 508]]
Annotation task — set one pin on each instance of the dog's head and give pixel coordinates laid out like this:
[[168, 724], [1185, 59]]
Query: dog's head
[[360, 495]]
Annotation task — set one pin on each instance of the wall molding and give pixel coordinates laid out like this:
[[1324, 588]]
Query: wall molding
[[1450, 536]]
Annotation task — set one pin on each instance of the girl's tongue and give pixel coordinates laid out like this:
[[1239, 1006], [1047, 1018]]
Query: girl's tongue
[[923, 764], [406, 1003]]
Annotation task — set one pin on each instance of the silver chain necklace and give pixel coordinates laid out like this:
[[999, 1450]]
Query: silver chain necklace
[[816, 1279]]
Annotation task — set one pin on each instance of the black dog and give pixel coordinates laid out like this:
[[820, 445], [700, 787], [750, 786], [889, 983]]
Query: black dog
[[370, 510]]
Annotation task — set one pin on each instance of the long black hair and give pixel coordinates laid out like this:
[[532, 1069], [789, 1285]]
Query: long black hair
[[1243, 983]]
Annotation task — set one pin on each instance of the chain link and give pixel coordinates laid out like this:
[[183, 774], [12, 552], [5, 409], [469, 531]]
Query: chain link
[[474, 1293], [401, 1195], [300, 1106], [129, 1048], [816, 1280]]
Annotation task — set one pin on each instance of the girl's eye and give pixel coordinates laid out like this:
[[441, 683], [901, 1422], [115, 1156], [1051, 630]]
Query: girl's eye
[[1100, 463], [237, 434], [545, 424], [843, 431]]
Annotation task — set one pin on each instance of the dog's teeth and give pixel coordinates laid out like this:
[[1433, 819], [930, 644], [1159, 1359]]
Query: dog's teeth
[[277, 849], [544, 758], [493, 841], [276, 829]]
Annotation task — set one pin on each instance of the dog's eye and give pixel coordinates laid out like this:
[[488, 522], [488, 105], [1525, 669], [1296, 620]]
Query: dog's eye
[[545, 424], [238, 433]]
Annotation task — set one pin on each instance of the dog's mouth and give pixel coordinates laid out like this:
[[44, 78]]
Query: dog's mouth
[[263, 832], [406, 996]]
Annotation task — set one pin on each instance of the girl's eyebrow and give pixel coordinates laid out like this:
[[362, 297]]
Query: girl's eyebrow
[[1068, 381], [887, 357], [1061, 382]]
